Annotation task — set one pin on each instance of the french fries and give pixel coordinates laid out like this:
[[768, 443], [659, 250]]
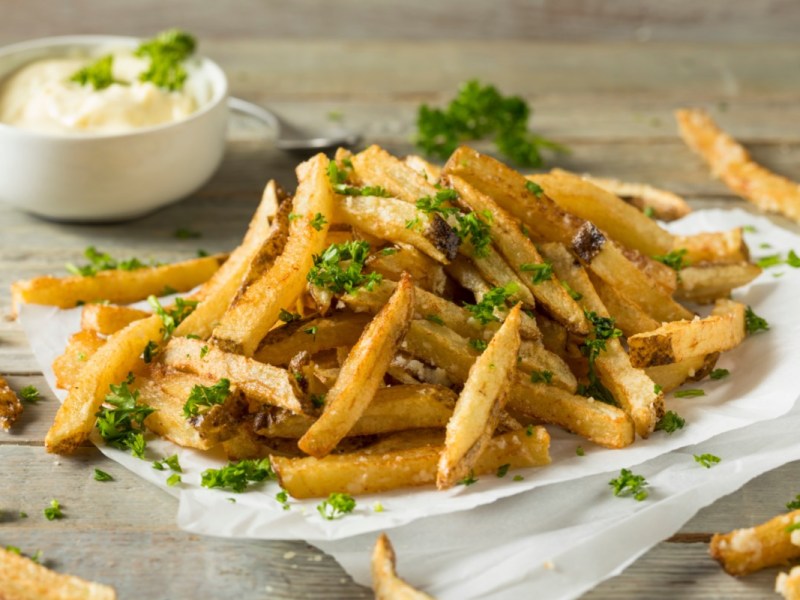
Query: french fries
[[24, 579], [385, 582], [81, 346], [361, 373], [706, 282], [10, 405], [106, 319], [730, 162], [788, 584], [744, 551]]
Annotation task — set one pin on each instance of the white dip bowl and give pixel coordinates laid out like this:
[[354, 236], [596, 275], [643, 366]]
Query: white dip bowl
[[110, 177]]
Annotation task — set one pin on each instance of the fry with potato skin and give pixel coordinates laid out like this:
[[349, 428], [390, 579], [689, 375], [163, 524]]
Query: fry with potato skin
[[10, 405], [484, 396], [745, 551], [257, 306], [362, 372], [706, 282], [385, 582]]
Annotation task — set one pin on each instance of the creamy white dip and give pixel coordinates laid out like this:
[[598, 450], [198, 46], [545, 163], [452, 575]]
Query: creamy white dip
[[41, 97]]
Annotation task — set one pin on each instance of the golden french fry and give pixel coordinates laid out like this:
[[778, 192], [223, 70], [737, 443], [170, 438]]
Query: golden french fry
[[362, 373], [630, 318], [385, 582], [110, 364], [80, 348], [705, 283], [478, 408], [674, 375], [621, 221], [730, 162], [24, 579], [264, 383], [432, 173], [745, 551], [788, 584], [115, 286], [714, 247], [677, 341], [106, 319], [393, 262], [257, 306], [369, 472], [10, 405], [375, 166]]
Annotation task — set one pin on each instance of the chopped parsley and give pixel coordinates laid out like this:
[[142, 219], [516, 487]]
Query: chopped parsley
[[529, 430], [502, 470], [311, 330], [436, 204], [283, 499], [434, 319], [30, 395], [719, 374], [102, 261], [203, 351], [604, 330], [102, 476], [335, 174], [749, 228], [572, 293], [793, 527], [388, 251], [149, 352], [170, 462], [184, 233], [477, 112], [318, 400], [468, 480], [479, 345], [541, 271], [319, 221], [203, 397], [120, 421], [173, 480], [377, 507], [534, 188], [628, 484], [237, 476], [336, 506], [706, 460], [670, 422], [690, 393], [174, 316], [649, 212], [674, 260], [657, 389], [518, 478], [288, 317], [98, 74], [541, 377], [166, 52], [339, 268], [367, 190], [753, 323], [471, 227], [580, 451], [773, 260], [483, 311], [53, 511], [794, 504]]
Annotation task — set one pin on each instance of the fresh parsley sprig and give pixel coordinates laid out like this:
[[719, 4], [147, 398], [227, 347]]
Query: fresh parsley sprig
[[203, 397], [483, 311], [30, 395], [120, 421], [670, 422], [53, 512], [541, 271], [167, 52], [706, 460], [603, 330], [340, 268], [629, 484], [753, 323], [174, 316], [99, 74], [336, 506], [676, 259], [102, 261], [236, 476]]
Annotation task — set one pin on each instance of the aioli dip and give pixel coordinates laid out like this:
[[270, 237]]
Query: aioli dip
[[41, 97]]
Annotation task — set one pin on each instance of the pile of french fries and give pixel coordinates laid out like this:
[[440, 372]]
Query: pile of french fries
[[396, 324]]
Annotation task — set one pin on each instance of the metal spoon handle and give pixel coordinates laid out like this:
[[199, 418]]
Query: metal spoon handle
[[267, 117]]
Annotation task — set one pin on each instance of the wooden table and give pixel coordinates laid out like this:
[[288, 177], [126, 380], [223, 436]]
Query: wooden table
[[604, 94]]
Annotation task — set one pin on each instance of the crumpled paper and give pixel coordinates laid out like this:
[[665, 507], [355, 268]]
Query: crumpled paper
[[760, 388]]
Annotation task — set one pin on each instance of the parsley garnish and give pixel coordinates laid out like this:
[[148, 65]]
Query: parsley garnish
[[707, 460], [102, 261], [604, 330], [476, 230], [283, 499], [773, 260], [335, 174], [201, 253], [674, 260], [53, 511], [30, 394], [649, 212], [541, 271], [468, 480], [377, 507], [534, 188], [657, 389], [203, 351], [691, 393], [628, 484], [494, 298], [319, 221], [388, 251], [172, 318], [184, 233], [121, 420], [529, 430], [173, 480], [502, 470], [35, 557], [572, 293], [149, 351], [329, 272], [719, 373], [477, 112], [367, 190], [793, 527], [318, 400], [518, 478], [166, 53], [670, 422], [435, 204], [311, 330], [580, 451], [413, 223], [288, 317], [794, 504], [434, 319], [541, 377], [336, 506], [749, 228], [479, 345], [237, 476], [102, 476], [754, 323], [170, 461], [98, 74], [206, 396]]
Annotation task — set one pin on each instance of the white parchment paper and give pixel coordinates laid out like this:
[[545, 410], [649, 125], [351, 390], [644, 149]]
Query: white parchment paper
[[761, 388]]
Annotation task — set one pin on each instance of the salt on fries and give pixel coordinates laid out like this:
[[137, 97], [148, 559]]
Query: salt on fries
[[396, 324]]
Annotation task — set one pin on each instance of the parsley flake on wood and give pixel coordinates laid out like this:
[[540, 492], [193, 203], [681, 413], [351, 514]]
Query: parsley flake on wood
[[339, 268], [30, 395], [53, 511], [102, 476], [670, 422], [184, 233], [483, 311], [203, 397], [518, 478], [753, 323], [706, 460], [174, 316], [336, 506], [541, 271], [120, 421], [102, 261], [629, 484], [580, 451], [477, 112], [236, 476], [794, 504]]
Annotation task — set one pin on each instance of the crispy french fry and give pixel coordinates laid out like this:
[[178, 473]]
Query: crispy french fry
[[247, 444], [393, 262], [395, 408], [745, 551], [110, 364], [621, 221], [523, 257], [362, 373], [80, 348], [369, 472], [730, 162], [714, 247], [106, 319], [375, 166], [24, 579], [264, 383], [477, 411], [257, 306], [704, 283], [664, 205], [672, 376], [385, 582], [116, 286], [431, 172], [788, 584], [630, 318], [10, 405], [677, 341], [666, 278]]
